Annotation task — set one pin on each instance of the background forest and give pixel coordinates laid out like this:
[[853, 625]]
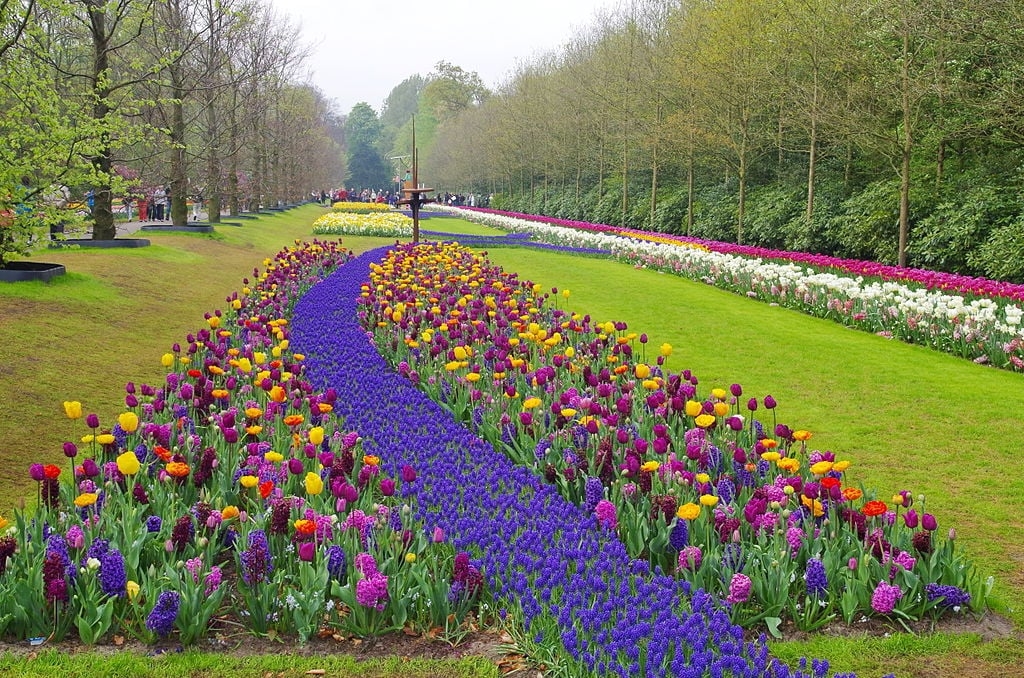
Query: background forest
[[888, 131]]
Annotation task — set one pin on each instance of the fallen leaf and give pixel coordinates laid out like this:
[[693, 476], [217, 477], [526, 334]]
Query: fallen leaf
[[315, 672]]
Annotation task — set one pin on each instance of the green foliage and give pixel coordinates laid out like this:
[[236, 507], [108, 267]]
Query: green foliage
[[770, 210], [965, 213], [714, 211], [1002, 255]]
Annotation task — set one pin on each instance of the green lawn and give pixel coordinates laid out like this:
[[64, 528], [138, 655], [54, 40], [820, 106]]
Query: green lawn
[[907, 417]]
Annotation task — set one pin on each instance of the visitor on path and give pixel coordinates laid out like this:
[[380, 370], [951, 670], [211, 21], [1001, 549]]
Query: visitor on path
[[159, 200], [197, 204]]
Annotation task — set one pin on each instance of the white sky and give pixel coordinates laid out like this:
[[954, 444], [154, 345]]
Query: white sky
[[362, 49]]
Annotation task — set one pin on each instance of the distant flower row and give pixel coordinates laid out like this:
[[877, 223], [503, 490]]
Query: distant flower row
[[380, 223], [361, 207], [231, 491], [906, 304]]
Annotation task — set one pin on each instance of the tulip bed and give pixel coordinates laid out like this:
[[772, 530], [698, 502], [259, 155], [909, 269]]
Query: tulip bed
[[380, 222], [231, 497], [691, 482], [973, 318]]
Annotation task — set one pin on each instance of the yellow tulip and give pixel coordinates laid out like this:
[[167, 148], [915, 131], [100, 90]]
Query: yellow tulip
[[128, 463], [73, 409], [650, 466], [105, 439], [230, 511], [642, 370], [531, 403], [167, 360], [666, 349], [704, 420], [273, 457], [708, 500], [316, 435], [132, 589], [248, 481], [129, 421], [821, 468], [86, 499], [314, 483], [693, 408], [688, 511]]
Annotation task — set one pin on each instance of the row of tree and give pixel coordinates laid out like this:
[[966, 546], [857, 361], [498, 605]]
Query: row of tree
[[205, 97], [880, 129]]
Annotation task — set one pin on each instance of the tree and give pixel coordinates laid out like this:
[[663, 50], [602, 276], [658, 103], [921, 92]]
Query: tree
[[45, 140], [366, 164], [452, 90]]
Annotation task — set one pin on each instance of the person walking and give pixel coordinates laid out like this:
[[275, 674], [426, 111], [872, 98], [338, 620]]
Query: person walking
[[159, 200]]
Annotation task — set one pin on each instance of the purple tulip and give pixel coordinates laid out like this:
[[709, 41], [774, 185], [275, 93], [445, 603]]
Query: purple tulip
[[387, 487], [769, 402], [36, 473], [70, 450], [92, 420], [295, 466], [307, 551], [752, 404], [929, 522], [736, 390], [408, 474], [910, 519]]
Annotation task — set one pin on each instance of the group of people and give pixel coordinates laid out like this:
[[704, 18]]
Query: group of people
[[460, 200], [155, 205], [365, 195]]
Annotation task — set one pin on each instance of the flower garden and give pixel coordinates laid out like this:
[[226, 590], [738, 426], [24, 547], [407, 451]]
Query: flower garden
[[415, 439], [976, 319]]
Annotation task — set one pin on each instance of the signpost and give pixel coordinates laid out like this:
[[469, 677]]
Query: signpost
[[416, 197]]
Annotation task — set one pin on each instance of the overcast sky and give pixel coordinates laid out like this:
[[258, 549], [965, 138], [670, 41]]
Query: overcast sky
[[363, 48]]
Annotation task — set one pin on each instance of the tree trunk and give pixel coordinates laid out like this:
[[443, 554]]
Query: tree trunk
[[904, 227], [689, 194], [178, 176], [103, 227]]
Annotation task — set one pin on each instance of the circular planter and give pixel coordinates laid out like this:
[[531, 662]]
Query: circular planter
[[100, 244], [25, 271]]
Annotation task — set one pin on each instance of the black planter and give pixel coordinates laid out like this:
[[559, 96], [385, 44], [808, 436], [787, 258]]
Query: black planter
[[100, 244], [24, 271], [178, 229]]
